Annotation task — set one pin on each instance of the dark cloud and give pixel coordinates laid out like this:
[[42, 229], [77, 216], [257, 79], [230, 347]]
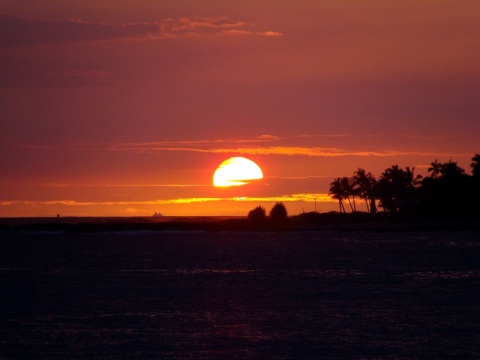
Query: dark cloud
[[197, 26], [16, 31]]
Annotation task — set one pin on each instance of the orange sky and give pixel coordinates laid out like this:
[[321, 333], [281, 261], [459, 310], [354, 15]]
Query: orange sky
[[124, 108]]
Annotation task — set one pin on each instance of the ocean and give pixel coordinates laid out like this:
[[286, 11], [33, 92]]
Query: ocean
[[240, 295]]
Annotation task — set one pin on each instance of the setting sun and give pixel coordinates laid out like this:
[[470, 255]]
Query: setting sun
[[236, 171]]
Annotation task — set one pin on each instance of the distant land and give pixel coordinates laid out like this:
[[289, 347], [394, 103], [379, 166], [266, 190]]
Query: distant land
[[311, 221]]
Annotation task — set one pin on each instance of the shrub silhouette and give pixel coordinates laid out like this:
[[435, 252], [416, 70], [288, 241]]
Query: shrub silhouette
[[278, 213], [257, 215]]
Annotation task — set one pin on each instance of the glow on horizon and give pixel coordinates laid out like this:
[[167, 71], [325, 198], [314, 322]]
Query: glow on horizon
[[286, 198], [202, 206]]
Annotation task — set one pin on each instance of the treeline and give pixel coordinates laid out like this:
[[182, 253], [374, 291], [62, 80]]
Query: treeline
[[278, 214], [448, 192]]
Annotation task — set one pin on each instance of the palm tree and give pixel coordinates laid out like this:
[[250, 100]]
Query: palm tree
[[383, 190], [476, 166], [435, 169], [336, 192], [364, 183], [388, 188], [476, 182], [450, 194], [451, 169], [412, 180], [397, 187], [348, 188], [454, 187]]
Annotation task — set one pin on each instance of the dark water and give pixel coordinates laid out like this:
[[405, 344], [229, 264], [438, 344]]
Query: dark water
[[240, 295]]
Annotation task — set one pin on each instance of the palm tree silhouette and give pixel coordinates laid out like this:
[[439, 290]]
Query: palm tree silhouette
[[397, 187], [451, 169], [364, 185], [476, 166], [448, 192], [435, 169], [348, 188], [336, 192]]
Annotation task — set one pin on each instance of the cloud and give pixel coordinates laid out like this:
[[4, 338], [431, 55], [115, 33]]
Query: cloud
[[15, 31], [246, 32], [296, 145], [261, 145], [268, 137], [198, 26], [65, 185], [315, 151], [300, 177], [274, 150], [308, 197], [106, 203], [289, 198]]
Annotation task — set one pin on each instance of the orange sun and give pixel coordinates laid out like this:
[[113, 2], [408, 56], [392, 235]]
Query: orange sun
[[236, 171]]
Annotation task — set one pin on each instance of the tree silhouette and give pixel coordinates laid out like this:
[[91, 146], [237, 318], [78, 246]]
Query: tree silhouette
[[348, 187], [278, 213], [384, 192], [364, 185], [448, 193], [476, 183], [476, 167], [257, 215], [435, 169], [396, 188], [336, 192], [451, 170], [345, 188]]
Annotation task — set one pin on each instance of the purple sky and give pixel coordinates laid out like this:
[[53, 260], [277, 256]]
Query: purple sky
[[128, 107]]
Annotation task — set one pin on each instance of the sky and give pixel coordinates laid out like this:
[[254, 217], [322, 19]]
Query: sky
[[126, 108]]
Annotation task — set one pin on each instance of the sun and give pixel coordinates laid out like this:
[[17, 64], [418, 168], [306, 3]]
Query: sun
[[236, 171]]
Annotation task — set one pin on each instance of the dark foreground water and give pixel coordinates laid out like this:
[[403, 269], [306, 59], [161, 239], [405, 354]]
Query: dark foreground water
[[240, 295]]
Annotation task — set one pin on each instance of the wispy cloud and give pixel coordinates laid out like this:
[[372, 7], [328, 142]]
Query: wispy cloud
[[304, 151], [15, 31], [261, 145], [72, 185], [319, 197], [107, 203], [246, 32], [269, 144], [268, 137], [277, 150], [289, 198], [300, 177], [198, 26]]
